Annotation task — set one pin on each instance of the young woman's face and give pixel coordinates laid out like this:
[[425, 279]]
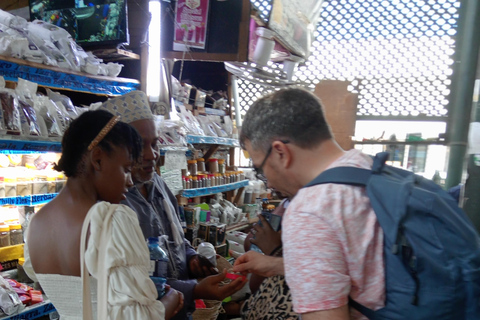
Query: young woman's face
[[114, 178]]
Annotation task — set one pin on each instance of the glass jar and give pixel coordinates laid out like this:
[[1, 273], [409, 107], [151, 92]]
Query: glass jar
[[10, 187], [192, 167], [40, 185], [213, 165], [188, 183], [4, 235], [51, 185], [200, 181], [221, 166], [59, 182], [16, 234], [201, 165], [24, 186], [2, 187], [184, 182]]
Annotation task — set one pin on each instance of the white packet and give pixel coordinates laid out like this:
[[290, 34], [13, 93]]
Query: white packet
[[66, 103], [26, 93], [215, 120], [191, 123], [207, 126], [10, 302], [114, 69], [228, 125], [52, 128]]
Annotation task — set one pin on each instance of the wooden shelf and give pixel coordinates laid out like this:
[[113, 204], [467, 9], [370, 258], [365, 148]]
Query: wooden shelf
[[115, 54]]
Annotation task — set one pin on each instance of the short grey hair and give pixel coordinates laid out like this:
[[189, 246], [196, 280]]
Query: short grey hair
[[293, 114]]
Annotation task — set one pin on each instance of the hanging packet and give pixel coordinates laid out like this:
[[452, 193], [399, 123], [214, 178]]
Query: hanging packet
[[67, 104], [207, 126], [43, 106], [10, 113], [215, 120], [26, 91]]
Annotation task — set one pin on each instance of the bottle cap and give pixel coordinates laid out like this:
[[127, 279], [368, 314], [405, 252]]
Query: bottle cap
[[152, 239], [15, 226]]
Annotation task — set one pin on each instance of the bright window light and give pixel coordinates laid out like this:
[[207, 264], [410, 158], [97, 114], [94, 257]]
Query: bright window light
[[154, 59]]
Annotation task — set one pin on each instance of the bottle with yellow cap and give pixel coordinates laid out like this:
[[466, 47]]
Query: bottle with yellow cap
[[201, 165]]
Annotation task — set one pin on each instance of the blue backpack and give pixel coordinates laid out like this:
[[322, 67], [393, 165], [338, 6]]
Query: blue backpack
[[432, 250]]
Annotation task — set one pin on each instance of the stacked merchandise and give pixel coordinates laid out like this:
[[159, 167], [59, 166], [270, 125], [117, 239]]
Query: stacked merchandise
[[24, 113], [45, 43]]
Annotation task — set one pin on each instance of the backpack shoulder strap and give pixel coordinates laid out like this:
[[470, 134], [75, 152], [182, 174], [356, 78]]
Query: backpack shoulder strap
[[342, 175]]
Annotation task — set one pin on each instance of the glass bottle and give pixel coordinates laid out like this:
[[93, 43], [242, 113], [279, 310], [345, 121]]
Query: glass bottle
[[201, 165], [213, 165], [221, 166]]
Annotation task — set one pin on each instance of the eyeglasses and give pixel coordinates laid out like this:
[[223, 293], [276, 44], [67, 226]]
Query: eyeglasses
[[259, 170]]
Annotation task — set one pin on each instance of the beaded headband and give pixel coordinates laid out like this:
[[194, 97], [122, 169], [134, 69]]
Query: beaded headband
[[103, 132]]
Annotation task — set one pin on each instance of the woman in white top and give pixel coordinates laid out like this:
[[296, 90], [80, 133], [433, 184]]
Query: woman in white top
[[98, 153]]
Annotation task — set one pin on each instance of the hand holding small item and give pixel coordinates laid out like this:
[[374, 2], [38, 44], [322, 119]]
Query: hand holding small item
[[257, 263]]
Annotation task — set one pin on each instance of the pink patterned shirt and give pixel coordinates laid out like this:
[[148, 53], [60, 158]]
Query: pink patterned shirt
[[333, 246]]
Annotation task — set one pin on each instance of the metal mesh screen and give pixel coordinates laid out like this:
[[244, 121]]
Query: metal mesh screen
[[396, 53]]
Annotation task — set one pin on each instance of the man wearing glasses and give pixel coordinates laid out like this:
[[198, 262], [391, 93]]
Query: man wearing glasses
[[332, 242]]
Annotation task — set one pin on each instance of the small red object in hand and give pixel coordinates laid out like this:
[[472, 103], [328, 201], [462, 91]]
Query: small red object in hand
[[234, 276]]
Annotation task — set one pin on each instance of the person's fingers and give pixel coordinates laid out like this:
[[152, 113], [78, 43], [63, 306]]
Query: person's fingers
[[232, 287], [244, 267], [234, 254], [253, 240]]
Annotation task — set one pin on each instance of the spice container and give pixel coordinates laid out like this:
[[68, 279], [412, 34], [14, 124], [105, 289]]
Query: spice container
[[59, 182], [194, 182], [213, 165], [40, 185], [188, 183], [10, 187], [24, 186], [4, 236], [201, 165], [51, 185], [2, 187], [192, 167], [221, 166], [16, 234]]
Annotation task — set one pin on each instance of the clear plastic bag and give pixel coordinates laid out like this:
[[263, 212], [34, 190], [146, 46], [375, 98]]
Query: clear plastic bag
[[10, 112]]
